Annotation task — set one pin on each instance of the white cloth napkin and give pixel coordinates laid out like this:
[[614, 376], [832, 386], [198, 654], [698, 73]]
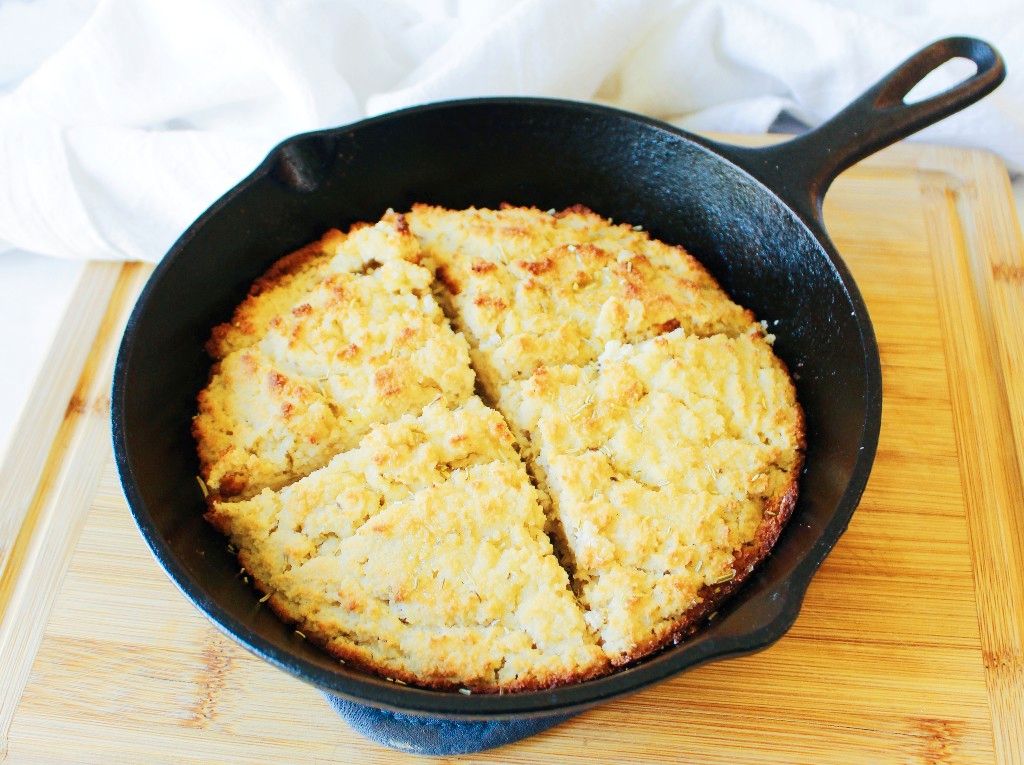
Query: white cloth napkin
[[113, 144]]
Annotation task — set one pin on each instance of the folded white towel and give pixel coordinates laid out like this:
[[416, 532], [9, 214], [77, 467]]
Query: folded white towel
[[152, 109]]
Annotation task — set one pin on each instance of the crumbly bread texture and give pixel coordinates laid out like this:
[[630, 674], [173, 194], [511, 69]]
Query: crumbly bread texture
[[358, 350], [421, 554], [641, 423], [531, 288], [391, 463], [662, 460], [294, 275]]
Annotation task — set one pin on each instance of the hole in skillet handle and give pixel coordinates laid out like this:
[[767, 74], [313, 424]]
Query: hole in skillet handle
[[801, 170], [938, 80]]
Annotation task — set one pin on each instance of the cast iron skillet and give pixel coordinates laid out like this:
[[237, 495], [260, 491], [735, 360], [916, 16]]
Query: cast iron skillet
[[753, 216]]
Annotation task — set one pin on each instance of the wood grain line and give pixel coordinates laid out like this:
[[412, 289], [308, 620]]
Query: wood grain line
[[984, 417], [1000, 278], [1004, 272], [42, 548], [26, 458]]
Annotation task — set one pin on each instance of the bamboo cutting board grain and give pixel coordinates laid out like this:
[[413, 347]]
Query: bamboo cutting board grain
[[908, 649]]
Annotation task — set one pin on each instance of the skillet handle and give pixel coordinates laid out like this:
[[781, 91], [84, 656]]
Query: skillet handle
[[801, 170]]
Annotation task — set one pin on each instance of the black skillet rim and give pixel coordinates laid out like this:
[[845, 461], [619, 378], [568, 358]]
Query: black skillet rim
[[376, 692]]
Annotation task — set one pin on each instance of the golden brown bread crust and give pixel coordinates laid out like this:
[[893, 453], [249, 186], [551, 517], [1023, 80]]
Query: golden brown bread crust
[[657, 472], [280, 272], [420, 552], [353, 658], [321, 355], [777, 510], [746, 562]]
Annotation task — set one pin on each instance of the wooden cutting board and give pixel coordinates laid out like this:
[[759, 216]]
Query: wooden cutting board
[[908, 649]]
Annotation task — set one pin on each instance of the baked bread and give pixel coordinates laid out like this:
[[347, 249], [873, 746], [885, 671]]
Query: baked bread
[[662, 459], [359, 349], [636, 457], [421, 554], [528, 288], [291, 277]]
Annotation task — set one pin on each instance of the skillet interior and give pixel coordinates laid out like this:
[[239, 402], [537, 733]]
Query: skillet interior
[[524, 151]]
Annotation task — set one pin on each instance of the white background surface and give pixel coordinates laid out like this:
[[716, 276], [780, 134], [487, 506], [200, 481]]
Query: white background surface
[[102, 108]]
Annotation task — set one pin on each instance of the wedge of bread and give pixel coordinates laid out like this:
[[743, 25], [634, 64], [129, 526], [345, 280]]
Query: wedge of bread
[[420, 555], [359, 349], [663, 461], [529, 288]]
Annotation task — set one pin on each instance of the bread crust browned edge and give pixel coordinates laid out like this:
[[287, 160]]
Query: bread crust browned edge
[[279, 270], [445, 278], [777, 513], [353, 658], [197, 432]]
